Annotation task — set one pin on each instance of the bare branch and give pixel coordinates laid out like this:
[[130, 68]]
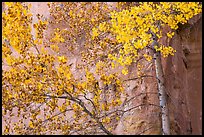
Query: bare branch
[[36, 48], [136, 96], [124, 111], [81, 103], [51, 96], [139, 77], [139, 133], [91, 102], [56, 115]]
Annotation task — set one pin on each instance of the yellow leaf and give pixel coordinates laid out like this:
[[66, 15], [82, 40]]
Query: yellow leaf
[[117, 118], [62, 59], [9, 4], [9, 60], [125, 71], [43, 50], [31, 124], [54, 47], [106, 120]]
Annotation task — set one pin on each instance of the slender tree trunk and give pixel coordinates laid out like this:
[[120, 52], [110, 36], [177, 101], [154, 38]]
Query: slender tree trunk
[[162, 94], [161, 88]]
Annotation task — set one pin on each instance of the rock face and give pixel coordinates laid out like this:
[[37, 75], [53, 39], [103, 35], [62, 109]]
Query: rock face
[[182, 80]]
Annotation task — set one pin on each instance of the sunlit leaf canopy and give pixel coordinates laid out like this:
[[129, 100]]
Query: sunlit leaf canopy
[[135, 28]]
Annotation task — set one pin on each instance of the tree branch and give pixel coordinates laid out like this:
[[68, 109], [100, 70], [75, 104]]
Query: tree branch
[[135, 97], [139, 133], [138, 77], [81, 103], [124, 111], [91, 102]]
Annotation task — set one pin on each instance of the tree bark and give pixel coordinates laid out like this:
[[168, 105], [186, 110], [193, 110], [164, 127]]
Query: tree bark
[[161, 87], [162, 94]]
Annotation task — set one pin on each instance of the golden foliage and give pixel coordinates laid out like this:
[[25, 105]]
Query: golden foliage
[[36, 83]]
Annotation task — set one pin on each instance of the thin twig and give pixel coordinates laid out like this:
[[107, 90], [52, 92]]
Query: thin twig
[[43, 122], [139, 133], [36, 48], [91, 102], [56, 115], [124, 111], [135, 97], [50, 96], [138, 77]]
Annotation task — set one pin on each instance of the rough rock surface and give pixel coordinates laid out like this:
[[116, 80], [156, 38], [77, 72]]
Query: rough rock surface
[[183, 78]]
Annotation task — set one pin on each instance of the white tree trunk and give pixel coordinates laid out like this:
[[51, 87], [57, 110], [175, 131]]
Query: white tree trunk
[[162, 94]]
